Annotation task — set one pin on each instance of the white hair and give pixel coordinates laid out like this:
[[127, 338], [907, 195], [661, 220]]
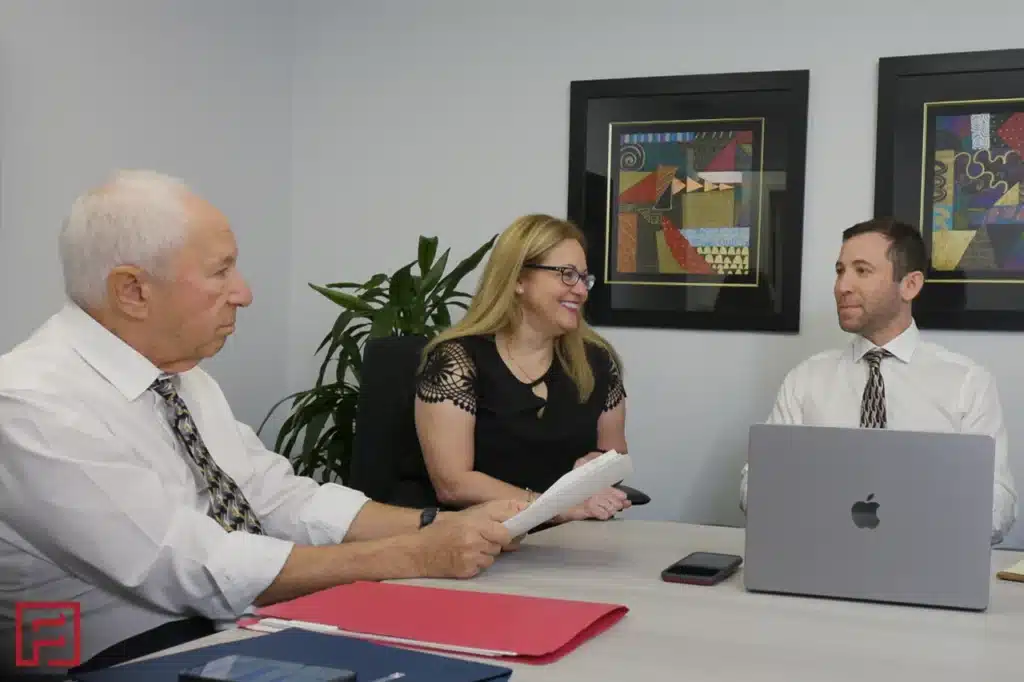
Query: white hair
[[137, 218]]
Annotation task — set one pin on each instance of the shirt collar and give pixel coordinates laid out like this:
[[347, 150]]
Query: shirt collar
[[902, 347], [120, 364]]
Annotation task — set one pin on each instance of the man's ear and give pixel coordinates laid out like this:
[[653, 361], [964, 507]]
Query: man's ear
[[911, 285], [129, 291]]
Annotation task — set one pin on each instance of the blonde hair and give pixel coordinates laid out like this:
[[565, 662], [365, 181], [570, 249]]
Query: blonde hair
[[495, 308]]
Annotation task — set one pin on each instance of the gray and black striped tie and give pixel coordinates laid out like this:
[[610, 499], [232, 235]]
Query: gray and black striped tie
[[228, 505], [872, 405]]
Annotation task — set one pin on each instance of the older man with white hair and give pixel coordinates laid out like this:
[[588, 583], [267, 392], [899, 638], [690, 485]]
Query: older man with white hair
[[126, 484]]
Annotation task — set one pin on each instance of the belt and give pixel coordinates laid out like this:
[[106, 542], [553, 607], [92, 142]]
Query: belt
[[149, 642]]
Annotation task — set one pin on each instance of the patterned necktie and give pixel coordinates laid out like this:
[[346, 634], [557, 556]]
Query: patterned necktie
[[227, 503], [872, 406]]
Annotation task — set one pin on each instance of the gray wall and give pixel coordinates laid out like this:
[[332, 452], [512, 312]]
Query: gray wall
[[194, 88]]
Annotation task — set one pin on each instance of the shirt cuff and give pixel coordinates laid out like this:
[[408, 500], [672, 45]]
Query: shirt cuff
[[1004, 513], [330, 512], [245, 565]]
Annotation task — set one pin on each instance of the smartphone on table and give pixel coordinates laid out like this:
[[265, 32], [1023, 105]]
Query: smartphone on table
[[702, 568]]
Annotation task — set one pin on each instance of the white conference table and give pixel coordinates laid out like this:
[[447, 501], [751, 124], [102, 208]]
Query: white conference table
[[723, 633]]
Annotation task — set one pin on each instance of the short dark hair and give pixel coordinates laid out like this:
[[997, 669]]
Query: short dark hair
[[906, 252]]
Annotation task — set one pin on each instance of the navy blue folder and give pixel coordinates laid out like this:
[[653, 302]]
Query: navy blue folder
[[368, 660]]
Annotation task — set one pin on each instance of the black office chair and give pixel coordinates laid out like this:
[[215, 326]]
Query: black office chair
[[387, 461]]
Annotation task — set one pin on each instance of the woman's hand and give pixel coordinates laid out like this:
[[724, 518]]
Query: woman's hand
[[586, 458], [603, 506]]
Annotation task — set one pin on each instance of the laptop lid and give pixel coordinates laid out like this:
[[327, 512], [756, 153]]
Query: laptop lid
[[870, 514]]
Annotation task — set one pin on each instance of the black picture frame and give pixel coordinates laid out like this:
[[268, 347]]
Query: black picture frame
[[685, 257], [940, 126]]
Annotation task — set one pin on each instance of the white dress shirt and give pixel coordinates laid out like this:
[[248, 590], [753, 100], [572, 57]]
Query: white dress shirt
[[100, 503], [927, 388]]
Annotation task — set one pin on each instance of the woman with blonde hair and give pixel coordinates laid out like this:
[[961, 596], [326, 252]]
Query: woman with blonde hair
[[521, 390]]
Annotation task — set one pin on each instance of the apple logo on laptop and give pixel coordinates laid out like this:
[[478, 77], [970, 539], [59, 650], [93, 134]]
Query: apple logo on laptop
[[865, 513]]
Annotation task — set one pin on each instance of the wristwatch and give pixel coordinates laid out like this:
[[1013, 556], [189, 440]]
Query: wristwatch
[[427, 516]]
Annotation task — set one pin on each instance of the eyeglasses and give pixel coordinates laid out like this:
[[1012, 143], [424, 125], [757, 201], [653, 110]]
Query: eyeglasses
[[570, 275]]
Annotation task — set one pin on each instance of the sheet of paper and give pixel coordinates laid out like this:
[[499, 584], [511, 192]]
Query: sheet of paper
[[1016, 569], [572, 489]]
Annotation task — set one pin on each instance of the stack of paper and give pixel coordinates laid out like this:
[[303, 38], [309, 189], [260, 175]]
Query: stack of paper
[[1015, 572], [572, 489]]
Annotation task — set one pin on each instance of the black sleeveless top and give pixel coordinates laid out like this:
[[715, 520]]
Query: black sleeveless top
[[515, 440]]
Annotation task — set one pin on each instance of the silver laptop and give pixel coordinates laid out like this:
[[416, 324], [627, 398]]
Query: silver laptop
[[870, 514]]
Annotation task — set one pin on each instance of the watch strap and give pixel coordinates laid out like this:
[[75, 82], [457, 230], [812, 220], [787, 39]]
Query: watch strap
[[427, 516]]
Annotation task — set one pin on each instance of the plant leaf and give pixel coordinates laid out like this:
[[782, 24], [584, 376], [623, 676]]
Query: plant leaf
[[383, 321], [274, 409], [401, 291], [374, 281], [349, 359], [452, 279], [353, 352], [431, 279], [417, 311], [336, 336], [323, 342], [312, 433], [427, 251], [441, 317], [345, 300], [375, 295], [339, 453]]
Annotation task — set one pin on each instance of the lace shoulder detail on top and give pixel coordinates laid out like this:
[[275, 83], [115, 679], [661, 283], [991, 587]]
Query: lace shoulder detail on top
[[449, 374], [616, 389]]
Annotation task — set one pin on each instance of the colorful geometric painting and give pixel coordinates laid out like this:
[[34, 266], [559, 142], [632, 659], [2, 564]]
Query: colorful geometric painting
[[974, 204], [685, 202]]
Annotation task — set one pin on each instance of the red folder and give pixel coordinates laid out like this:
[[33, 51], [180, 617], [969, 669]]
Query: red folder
[[511, 627]]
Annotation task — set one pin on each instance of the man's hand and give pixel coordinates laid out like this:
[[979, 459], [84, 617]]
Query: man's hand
[[514, 545], [460, 545], [496, 510], [500, 510]]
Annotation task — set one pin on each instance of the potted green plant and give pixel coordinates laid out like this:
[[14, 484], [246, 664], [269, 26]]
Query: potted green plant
[[416, 299]]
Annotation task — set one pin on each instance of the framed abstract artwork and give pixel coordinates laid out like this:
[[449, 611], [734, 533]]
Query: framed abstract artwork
[[690, 190], [950, 160]]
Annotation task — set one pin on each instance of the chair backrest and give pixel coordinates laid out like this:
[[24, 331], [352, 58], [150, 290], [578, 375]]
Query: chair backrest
[[387, 462]]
